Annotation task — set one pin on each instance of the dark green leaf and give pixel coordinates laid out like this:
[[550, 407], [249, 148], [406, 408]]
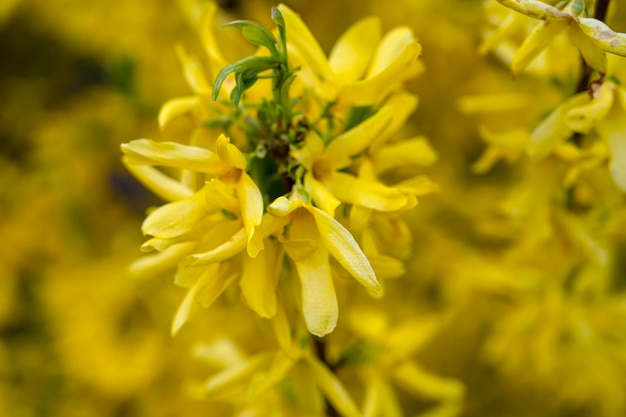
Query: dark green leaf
[[251, 64], [255, 34]]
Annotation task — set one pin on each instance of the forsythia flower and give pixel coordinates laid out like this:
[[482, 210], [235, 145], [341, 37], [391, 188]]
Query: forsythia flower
[[241, 203]]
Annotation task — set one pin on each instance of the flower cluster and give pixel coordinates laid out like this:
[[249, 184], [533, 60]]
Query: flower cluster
[[286, 169]]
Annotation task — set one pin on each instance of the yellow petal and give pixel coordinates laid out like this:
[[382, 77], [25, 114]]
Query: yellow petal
[[537, 41], [402, 105], [218, 194], [312, 149], [177, 218], [419, 186], [239, 374], [380, 399], [216, 59], [594, 56], [194, 73], [344, 248], [357, 139], [370, 194], [278, 370], [283, 207], [171, 154], [322, 198], [229, 153], [585, 117], [613, 130], [359, 217], [536, 9], [554, 130], [188, 306], [160, 184], [333, 389], [411, 152], [376, 88], [351, 54], [319, 303], [259, 277], [424, 384], [603, 36], [251, 201], [282, 330], [216, 286], [152, 266], [175, 108], [227, 250], [390, 48], [300, 36]]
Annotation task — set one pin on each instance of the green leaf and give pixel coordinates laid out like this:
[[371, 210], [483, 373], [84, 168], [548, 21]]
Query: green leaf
[[248, 65], [255, 34]]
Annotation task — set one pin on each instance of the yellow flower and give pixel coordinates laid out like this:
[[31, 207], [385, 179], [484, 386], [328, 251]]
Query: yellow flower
[[363, 68], [592, 37]]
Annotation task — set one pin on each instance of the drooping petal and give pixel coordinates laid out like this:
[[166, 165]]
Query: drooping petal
[[390, 48], [190, 305], [357, 139], [230, 377], [603, 36], [351, 55], [344, 248], [536, 9], [376, 88], [259, 277], [218, 194], [585, 117], [174, 219], [594, 56], [194, 73], [323, 198], [175, 108], [554, 129], [333, 388], [233, 246], [302, 38], [613, 130], [216, 286], [319, 302], [160, 184], [152, 266], [251, 201], [425, 384], [370, 194], [538, 40], [229, 153], [171, 154], [411, 152]]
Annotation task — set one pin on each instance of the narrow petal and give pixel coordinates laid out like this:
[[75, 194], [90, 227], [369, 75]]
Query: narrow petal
[[535, 9], [370, 194], [424, 384], [374, 89], [603, 36], [333, 389], [239, 374], [594, 56], [216, 286], [613, 130], [585, 117], [390, 48], [259, 277], [229, 153], [188, 306], [160, 184], [319, 303], [175, 108], [344, 248], [216, 59], [233, 246], [554, 129], [194, 73], [357, 139], [251, 201], [538, 40], [351, 54], [300, 36], [322, 198], [174, 219], [171, 154], [219, 194], [152, 266], [411, 152]]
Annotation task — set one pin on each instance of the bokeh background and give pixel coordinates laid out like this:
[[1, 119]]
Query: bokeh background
[[79, 337]]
